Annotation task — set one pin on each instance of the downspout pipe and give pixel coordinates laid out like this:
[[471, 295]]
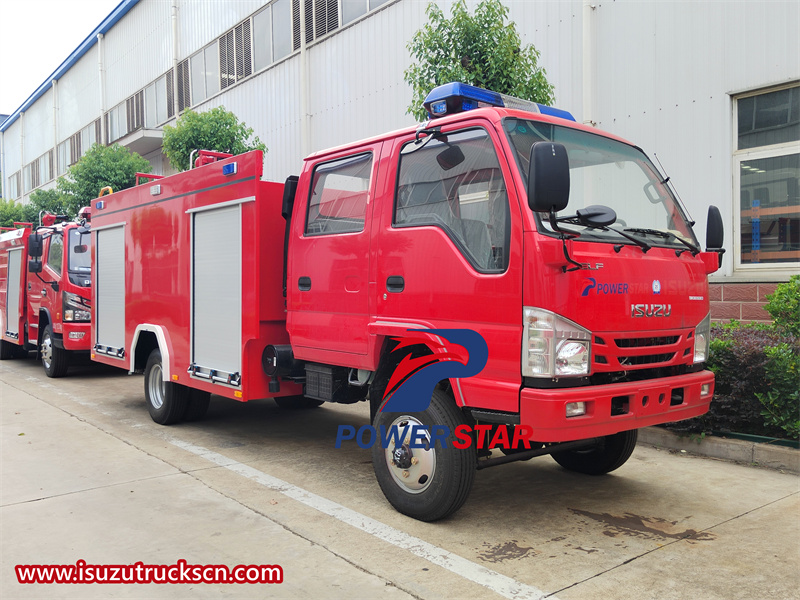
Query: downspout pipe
[[304, 117], [175, 58], [588, 62]]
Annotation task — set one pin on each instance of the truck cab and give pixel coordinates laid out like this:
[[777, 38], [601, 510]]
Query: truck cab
[[58, 292], [561, 245]]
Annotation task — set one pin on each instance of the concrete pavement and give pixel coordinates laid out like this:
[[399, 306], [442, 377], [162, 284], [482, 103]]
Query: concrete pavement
[[85, 474]]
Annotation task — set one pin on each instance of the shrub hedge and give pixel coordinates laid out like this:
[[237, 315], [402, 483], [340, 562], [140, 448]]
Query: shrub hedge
[[757, 370]]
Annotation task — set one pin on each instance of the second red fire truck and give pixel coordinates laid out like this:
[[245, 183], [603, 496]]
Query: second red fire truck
[[45, 291], [561, 246]]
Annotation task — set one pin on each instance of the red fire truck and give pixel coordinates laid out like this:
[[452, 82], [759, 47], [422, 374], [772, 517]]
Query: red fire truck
[[562, 246], [45, 301]]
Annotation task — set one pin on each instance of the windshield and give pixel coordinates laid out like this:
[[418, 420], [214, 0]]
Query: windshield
[[80, 258], [609, 173]]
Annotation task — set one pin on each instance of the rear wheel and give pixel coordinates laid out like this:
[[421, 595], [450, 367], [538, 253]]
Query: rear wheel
[[54, 360], [611, 453], [198, 405], [431, 482], [297, 402], [166, 400], [6, 350]]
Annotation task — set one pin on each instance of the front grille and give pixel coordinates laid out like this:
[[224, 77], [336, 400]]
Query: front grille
[[645, 342], [648, 359]]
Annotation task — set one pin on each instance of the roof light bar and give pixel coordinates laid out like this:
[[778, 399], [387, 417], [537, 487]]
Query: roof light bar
[[456, 97]]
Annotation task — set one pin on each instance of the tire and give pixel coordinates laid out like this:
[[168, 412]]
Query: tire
[[7, 350], [439, 482], [166, 400], [611, 454], [197, 406], [297, 402], [54, 360]]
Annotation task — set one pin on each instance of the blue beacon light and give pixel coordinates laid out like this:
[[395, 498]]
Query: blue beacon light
[[456, 97]]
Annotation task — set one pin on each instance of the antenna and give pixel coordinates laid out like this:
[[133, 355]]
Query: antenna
[[668, 182]]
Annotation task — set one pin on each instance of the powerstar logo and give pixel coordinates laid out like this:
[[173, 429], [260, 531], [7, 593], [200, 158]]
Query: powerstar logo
[[457, 353], [603, 288]]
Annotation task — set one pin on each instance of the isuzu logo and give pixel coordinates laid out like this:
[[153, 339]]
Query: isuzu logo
[[651, 310]]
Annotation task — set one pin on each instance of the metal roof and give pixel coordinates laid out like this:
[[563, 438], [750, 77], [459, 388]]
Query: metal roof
[[107, 23]]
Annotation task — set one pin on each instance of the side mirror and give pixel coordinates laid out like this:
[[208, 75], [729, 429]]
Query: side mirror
[[289, 191], [35, 245], [715, 233], [548, 177], [35, 266], [80, 249]]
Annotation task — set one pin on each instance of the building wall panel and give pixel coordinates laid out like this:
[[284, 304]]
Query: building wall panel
[[38, 128], [201, 22], [79, 96], [138, 50]]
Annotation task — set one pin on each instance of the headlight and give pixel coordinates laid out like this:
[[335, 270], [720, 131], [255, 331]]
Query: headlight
[[76, 309], [553, 346], [702, 333]]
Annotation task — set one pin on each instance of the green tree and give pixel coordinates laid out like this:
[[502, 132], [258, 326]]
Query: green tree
[[51, 201], [479, 49], [101, 166], [216, 129], [11, 212]]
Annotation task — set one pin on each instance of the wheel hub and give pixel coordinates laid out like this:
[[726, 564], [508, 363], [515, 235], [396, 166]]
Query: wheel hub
[[412, 469], [401, 457]]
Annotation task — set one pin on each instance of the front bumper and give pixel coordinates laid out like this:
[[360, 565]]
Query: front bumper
[[644, 403], [74, 336]]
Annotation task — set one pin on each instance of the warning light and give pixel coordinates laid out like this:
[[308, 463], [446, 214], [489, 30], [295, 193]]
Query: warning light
[[456, 97]]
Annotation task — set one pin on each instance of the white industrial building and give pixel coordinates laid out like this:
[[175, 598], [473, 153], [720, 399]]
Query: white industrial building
[[711, 88]]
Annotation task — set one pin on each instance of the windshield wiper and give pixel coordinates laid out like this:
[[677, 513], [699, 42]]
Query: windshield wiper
[[667, 235]]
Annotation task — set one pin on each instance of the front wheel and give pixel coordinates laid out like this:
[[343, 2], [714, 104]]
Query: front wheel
[[427, 483], [55, 360], [166, 400], [611, 453]]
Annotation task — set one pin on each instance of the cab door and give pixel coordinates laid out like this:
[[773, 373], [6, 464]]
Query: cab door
[[451, 251], [329, 266]]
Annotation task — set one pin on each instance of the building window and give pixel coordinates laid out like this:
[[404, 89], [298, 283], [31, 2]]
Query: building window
[[352, 9], [62, 153], [767, 177], [272, 38], [13, 186], [204, 73]]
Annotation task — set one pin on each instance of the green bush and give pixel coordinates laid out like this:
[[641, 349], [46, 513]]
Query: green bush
[[781, 400], [784, 306], [756, 392]]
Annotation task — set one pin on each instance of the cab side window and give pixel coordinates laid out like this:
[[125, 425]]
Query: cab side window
[[55, 255], [454, 182], [339, 195]]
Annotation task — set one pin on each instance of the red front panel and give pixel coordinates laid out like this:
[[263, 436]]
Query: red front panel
[[615, 407]]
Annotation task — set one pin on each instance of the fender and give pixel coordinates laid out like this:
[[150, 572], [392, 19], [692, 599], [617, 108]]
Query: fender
[[164, 345], [390, 328]]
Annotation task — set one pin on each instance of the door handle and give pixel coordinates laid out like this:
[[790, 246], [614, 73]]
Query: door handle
[[304, 284], [395, 284]]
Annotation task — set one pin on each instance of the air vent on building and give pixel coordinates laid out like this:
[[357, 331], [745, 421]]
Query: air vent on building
[[170, 94], [184, 86], [321, 16], [244, 50], [134, 111]]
